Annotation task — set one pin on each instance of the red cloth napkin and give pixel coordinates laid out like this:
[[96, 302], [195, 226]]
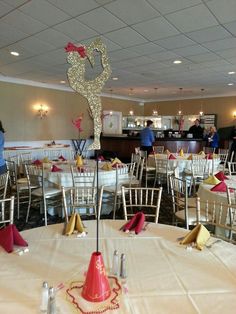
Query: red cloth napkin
[[56, 169], [220, 187], [62, 158], [209, 156], [9, 235], [37, 162], [136, 223], [101, 158], [81, 169], [220, 176], [17, 238], [6, 238], [171, 156]]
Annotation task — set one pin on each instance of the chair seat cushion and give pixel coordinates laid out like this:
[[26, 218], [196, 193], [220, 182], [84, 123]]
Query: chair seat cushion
[[192, 216], [47, 192], [22, 181]]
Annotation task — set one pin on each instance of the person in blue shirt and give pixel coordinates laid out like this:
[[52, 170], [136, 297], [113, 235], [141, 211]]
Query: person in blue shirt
[[3, 167], [147, 138], [213, 138]]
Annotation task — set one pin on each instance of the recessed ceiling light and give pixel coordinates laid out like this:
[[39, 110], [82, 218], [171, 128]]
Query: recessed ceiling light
[[115, 78], [14, 53], [230, 84], [145, 90], [177, 61], [62, 82], [232, 72]]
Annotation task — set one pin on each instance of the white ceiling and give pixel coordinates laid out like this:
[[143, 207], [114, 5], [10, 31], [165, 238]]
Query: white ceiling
[[143, 38]]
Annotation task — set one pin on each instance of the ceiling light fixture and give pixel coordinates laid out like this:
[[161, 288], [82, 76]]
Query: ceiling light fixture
[[201, 113], [155, 111], [230, 84], [180, 106], [231, 72], [115, 78], [14, 53], [62, 82], [177, 61]]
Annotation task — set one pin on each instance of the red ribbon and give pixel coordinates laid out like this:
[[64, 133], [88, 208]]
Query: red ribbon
[[81, 49]]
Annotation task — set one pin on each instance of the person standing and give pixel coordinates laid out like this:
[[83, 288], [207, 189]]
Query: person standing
[[213, 138], [3, 167], [147, 138], [196, 129], [233, 146]]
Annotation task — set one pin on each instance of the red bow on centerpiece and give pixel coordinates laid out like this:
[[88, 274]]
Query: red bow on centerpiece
[[81, 49]]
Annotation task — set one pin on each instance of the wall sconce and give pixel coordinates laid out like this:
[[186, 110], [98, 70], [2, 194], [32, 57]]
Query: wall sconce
[[131, 112], [234, 114], [42, 111]]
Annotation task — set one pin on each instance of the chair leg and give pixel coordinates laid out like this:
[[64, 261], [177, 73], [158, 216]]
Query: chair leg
[[45, 211], [114, 207]]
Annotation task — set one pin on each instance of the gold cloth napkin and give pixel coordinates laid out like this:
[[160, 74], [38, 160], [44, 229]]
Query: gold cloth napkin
[[199, 235], [201, 153], [45, 160], [115, 161], [181, 153], [79, 161], [74, 224], [167, 152], [190, 157], [211, 180], [107, 166]]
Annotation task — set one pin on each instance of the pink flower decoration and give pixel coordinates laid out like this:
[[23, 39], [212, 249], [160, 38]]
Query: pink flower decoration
[[77, 123]]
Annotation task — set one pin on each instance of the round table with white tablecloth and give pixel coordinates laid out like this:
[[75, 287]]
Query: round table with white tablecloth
[[162, 276]]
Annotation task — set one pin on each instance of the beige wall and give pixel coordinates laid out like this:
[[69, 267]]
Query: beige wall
[[21, 122], [223, 107]]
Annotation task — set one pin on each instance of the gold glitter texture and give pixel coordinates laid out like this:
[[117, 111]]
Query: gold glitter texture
[[90, 89]]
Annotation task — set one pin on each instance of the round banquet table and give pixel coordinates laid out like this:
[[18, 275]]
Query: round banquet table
[[163, 276], [64, 177], [181, 163]]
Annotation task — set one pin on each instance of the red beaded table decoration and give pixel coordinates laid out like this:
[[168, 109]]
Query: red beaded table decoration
[[110, 304]]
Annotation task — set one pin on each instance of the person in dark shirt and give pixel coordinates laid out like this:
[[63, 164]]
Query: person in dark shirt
[[196, 129], [233, 146]]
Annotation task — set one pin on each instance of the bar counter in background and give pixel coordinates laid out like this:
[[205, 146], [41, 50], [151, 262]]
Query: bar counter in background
[[124, 146]]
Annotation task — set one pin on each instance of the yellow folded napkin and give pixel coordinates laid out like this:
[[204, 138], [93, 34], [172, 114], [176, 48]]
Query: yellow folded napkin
[[45, 160], [201, 153], [190, 157], [199, 235], [107, 166], [70, 227], [181, 153], [74, 225], [79, 161], [79, 225], [211, 180], [167, 152], [115, 161]]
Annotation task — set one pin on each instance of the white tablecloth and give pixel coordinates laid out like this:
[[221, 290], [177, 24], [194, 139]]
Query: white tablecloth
[[163, 277], [181, 162], [64, 178]]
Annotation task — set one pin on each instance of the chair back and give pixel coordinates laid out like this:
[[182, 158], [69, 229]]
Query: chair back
[[3, 185], [6, 211], [158, 149], [232, 168], [208, 150], [215, 216], [179, 196], [82, 197], [84, 176], [147, 200], [223, 155], [13, 173]]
